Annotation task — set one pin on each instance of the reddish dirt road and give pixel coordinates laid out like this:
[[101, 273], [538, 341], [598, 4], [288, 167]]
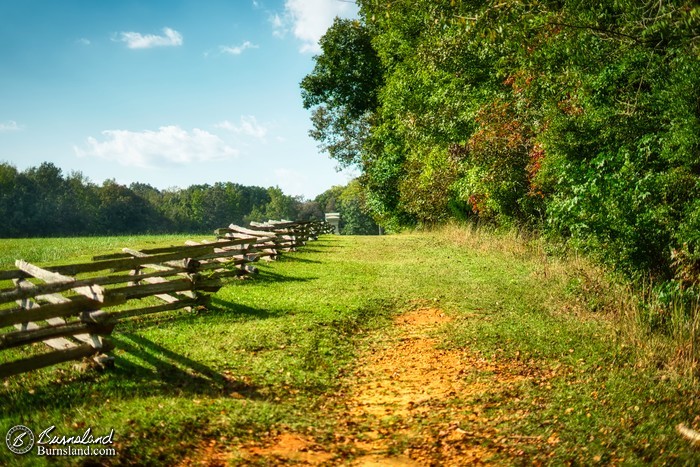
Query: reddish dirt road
[[404, 405]]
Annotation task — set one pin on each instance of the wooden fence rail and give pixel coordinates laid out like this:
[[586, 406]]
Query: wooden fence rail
[[73, 308]]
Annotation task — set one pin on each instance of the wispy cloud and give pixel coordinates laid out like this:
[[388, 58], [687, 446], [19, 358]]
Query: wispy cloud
[[136, 40], [10, 126], [248, 126], [279, 25], [309, 20], [83, 41], [291, 181], [170, 145], [237, 49]]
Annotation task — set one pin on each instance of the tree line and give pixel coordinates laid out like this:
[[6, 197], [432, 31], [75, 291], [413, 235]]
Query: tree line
[[578, 119], [43, 201]]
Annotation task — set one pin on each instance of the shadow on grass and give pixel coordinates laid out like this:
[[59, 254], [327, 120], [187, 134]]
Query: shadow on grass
[[179, 372], [164, 373], [325, 249], [320, 244], [268, 276], [218, 305], [299, 260]]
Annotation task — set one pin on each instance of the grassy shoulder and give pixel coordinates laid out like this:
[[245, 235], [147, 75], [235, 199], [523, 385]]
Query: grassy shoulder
[[586, 390], [274, 349]]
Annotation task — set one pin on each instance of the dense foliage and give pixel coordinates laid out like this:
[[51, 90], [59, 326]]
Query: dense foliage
[[42, 201], [349, 201], [579, 119]]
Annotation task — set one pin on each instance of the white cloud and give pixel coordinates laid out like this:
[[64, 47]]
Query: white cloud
[[279, 25], [311, 18], [292, 182], [83, 41], [136, 40], [10, 126], [249, 126], [170, 145], [237, 49]]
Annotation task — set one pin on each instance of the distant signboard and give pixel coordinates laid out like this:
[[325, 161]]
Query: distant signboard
[[333, 218]]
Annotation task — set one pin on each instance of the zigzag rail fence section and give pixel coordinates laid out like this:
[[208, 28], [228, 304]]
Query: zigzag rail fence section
[[73, 308]]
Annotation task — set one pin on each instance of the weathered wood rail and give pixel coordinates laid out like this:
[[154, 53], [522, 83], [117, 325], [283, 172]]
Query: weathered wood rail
[[72, 308], [287, 236]]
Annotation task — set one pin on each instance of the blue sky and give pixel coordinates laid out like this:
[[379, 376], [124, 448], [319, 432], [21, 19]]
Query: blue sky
[[171, 93]]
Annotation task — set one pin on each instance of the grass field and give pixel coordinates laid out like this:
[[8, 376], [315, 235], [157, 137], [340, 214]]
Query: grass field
[[277, 354], [51, 250]]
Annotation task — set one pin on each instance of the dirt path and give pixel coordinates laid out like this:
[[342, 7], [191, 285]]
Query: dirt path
[[402, 386], [404, 406]]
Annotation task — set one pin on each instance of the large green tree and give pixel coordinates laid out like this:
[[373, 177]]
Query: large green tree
[[342, 90], [577, 118]]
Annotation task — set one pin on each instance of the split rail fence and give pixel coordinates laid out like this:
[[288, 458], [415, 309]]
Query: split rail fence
[[72, 308]]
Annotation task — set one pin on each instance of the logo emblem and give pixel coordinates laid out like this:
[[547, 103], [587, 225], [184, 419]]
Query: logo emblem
[[19, 439]]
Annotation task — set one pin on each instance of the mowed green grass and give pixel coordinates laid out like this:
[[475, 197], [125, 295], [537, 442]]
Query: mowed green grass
[[270, 348], [76, 249]]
